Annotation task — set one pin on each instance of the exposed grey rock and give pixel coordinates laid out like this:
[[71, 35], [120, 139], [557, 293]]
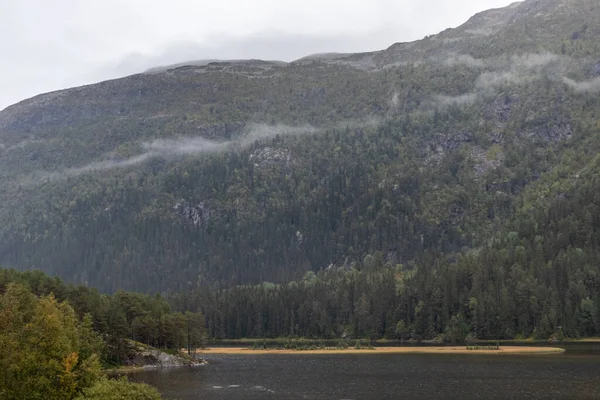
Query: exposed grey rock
[[269, 157], [556, 132], [503, 106], [443, 143], [483, 163], [164, 360], [148, 357], [196, 214]]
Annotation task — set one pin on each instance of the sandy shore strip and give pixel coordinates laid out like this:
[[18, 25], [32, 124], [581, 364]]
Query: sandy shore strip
[[505, 350]]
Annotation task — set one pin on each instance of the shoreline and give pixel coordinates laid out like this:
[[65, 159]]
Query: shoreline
[[126, 369], [392, 343], [504, 350]]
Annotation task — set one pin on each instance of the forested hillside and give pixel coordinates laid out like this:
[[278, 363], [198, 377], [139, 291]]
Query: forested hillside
[[447, 184], [536, 278]]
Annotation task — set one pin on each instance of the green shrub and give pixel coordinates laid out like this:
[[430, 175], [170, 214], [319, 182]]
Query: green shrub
[[120, 389]]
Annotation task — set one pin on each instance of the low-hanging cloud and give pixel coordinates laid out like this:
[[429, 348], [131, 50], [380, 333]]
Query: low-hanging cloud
[[522, 68], [535, 60], [465, 60], [185, 146], [489, 80], [511, 71], [463, 99], [395, 100], [109, 164], [591, 86], [200, 145]]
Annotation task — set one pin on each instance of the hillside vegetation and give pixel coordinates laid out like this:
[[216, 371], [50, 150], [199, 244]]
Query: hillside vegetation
[[49, 350], [443, 186]]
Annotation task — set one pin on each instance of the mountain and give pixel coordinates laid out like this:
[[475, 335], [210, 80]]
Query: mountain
[[239, 172]]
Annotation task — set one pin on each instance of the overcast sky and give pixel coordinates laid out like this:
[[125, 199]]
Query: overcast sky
[[52, 44]]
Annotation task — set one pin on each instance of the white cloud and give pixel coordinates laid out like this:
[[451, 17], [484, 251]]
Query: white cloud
[[174, 148], [464, 99], [464, 59], [521, 68], [591, 86]]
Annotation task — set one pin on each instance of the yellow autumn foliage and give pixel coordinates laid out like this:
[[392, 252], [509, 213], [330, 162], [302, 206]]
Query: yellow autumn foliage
[[40, 343]]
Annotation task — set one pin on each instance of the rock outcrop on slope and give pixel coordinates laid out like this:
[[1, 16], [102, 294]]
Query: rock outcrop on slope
[[142, 356]]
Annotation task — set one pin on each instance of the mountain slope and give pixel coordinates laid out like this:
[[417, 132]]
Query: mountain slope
[[248, 171]]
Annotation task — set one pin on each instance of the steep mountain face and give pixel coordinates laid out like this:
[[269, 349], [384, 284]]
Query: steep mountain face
[[240, 172]]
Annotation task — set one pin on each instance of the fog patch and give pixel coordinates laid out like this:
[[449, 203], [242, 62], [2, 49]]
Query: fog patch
[[515, 70], [109, 164], [367, 122], [173, 148], [181, 146], [395, 100], [197, 145], [490, 80], [591, 86], [263, 131], [22, 144], [402, 64], [463, 99], [532, 61], [464, 60], [184, 146], [520, 69]]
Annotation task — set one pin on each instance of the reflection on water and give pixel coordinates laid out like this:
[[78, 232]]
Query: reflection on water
[[382, 376]]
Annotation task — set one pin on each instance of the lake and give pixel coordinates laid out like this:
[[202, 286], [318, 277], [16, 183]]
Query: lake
[[385, 376]]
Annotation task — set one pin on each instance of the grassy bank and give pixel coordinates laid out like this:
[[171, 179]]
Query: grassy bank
[[392, 342], [508, 350], [583, 340]]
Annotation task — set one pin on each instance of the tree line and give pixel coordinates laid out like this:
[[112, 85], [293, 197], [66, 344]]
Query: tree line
[[117, 318], [47, 352]]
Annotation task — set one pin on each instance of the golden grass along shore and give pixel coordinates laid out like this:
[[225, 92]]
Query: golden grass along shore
[[505, 350]]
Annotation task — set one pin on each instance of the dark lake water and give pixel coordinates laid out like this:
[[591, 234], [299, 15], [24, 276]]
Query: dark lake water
[[384, 376]]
